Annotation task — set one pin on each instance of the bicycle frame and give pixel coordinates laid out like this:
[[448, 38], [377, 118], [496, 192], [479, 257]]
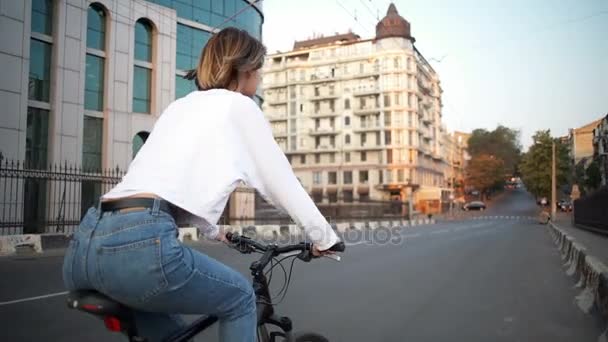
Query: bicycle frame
[[265, 312]]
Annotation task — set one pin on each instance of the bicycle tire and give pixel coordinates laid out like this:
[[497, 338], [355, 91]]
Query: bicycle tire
[[309, 337]]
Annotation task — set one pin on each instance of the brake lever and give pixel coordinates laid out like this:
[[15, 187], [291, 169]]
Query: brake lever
[[333, 257]]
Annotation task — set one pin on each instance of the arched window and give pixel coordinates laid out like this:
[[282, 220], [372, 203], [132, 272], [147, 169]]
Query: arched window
[[95, 59], [347, 121], [347, 139], [138, 141], [142, 72]]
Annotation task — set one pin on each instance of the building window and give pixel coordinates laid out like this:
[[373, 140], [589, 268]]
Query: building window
[[396, 62], [361, 68], [141, 89], [301, 107], [303, 159], [94, 84], [317, 158], [293, 145], [317, 178], [40, 71], [36, 141], [378, 138], [363, 176], [92, 144], [389, 156], [347, 157], [387, 118], [332, 178], [363, 139], [380, 174], [95, 59], [387, 100], [347, 139], [347, 121], [348, 177], [142, 74], [332, 158], [347, 104], [138, 141], [387, 137], [363, 156], [96, 28], [397, 99], [332, 197], [42, 16], [400, 175], [332, 141], [347, 195]]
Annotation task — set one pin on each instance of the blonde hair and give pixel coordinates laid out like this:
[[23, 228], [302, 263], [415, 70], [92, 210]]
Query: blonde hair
[[227, 54]]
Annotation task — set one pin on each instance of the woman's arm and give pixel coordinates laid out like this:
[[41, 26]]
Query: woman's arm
[[266, 169]]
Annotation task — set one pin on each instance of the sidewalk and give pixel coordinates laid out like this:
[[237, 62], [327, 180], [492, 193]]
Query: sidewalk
[[596, 244]]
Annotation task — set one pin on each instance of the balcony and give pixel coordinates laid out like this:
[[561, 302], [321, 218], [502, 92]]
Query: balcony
[[276, 117], [367, 110], [273, 101], [326, 147], [426, 120], [368, 146], [324, 114], [321, 78], [366, 91], [425, 89], [324, 131], [319, 97], [375, 71], [273, 85], [279, 134], [367, 128]]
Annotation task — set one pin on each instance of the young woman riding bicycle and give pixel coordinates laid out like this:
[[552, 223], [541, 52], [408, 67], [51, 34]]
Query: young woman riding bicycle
[[201, 148]]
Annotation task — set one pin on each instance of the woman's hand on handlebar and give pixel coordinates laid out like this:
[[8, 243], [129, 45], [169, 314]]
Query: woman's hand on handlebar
[[317, 253]]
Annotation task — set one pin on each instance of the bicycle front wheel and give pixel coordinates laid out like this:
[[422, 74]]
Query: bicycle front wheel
[[309, 337]]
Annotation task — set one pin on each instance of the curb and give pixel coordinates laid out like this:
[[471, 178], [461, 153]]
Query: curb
[[37, 243], [592, 275]]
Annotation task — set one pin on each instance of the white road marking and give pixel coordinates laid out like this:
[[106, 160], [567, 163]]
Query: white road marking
[[33, 298]]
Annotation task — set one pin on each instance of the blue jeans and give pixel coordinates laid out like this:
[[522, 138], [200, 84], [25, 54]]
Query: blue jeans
[[136, 259]]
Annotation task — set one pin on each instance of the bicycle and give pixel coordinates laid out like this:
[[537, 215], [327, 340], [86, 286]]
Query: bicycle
[[120, 318]]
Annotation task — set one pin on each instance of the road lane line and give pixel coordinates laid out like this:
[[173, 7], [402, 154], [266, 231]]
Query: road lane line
[[33, 298]]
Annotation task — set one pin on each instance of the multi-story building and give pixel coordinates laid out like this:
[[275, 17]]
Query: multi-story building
[[600, 148], [84, 81], [359, 118], [581, 142]]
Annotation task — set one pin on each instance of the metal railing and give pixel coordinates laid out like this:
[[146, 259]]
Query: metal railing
[[51, 199]]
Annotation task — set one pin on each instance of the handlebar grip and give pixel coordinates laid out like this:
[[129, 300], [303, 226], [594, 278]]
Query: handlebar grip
[[338, 247]]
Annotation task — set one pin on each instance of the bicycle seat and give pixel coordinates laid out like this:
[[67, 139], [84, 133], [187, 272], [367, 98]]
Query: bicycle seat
[[93, 302]]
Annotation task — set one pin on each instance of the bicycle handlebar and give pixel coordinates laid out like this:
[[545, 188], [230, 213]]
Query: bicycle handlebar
[[248, 245]]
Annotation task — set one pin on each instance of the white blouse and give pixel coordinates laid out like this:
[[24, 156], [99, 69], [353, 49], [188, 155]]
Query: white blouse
[[203, 146]]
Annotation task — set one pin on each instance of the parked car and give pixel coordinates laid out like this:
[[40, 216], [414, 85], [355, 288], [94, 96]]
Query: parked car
[[474, 205], [564, 205]]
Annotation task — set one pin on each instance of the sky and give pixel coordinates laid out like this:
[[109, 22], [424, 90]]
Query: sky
[[525, 64]]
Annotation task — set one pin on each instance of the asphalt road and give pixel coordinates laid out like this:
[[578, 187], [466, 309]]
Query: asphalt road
[[497, 277]]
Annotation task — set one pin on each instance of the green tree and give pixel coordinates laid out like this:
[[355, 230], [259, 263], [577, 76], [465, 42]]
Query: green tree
[[536, 164], [502, 143], [484, 172]]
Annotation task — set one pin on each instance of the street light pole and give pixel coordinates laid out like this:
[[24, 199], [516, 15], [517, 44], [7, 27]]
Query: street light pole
[[553, 183]]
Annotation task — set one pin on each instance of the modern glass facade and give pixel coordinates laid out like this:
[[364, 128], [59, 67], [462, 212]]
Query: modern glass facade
[[215, 14]]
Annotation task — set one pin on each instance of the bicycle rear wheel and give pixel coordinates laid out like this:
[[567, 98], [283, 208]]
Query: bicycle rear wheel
[[309, 337]]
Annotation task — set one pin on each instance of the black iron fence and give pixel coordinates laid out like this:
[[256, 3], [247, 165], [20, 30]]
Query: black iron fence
[[50, 199], [591, 211]]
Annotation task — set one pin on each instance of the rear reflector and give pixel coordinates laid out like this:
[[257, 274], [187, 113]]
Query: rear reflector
[[112, 323]]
